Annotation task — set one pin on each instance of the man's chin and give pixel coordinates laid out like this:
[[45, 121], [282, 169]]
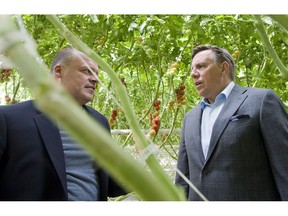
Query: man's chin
[[89, 98]]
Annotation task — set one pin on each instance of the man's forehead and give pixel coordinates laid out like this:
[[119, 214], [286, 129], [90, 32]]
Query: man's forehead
[[87, 60], [203, 56], [83, 56]]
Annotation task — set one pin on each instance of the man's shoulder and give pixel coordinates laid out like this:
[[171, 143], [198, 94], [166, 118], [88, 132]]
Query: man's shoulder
[[99, 117], [18, 106], [252, 90], [195, 110], [94, 112]]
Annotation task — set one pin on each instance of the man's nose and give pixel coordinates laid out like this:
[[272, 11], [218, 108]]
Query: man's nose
[[93, 78], [194, 73]]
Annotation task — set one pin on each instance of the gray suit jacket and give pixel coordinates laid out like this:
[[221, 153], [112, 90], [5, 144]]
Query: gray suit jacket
[[248, 153]]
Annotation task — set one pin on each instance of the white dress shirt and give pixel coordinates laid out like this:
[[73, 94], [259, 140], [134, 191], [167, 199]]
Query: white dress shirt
[[210, 114]]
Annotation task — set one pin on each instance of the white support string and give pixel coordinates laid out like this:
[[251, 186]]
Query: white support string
[[191, 185], [147, 151]]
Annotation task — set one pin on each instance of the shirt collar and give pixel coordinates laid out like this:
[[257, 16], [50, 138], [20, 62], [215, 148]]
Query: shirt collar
[[221, 96]]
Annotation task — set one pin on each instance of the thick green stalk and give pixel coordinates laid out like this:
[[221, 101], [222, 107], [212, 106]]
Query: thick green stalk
[[282, 20], [139, 137], [260, 27], [57, 104], [140, 140]]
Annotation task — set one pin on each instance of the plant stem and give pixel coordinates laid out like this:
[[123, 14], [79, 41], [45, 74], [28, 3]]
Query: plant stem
[[260, 27], [138, 136], [54, 101]]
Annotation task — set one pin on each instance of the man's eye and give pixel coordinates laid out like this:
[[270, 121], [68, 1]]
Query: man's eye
[[87, 72], [198, 67], [201, 67]]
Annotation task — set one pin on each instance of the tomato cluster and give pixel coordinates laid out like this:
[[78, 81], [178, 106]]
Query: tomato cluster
[[154, 119], [123, 81], [180, 97], [113, 117], [5, 74], [173, 69], [100, 42], [236, 54], [8, 100]]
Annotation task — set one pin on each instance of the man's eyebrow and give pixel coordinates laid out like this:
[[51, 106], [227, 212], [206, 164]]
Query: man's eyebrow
[[86, 66], [198, 63]]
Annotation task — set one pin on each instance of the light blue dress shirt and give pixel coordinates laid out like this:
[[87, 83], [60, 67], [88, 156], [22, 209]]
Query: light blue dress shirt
[[210, 114]]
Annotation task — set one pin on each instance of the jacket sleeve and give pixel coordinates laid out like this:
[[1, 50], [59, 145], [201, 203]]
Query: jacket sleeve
[[182, 163], [274, 127], [3, 133], [115, 189]]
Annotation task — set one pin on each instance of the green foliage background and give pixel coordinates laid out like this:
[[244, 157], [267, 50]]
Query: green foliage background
[[143, 48]]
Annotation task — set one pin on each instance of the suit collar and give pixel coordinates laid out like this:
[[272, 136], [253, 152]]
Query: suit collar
[[195, 121], [222, 95], [52, 142]]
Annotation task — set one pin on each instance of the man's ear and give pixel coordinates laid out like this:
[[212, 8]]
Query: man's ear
[[57, 71], [225, 67]]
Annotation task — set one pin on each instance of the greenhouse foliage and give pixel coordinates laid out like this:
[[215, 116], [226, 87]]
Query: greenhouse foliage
[[151, 55]]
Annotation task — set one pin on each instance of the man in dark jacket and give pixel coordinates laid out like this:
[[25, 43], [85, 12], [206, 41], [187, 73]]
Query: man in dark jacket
[[38, 159]]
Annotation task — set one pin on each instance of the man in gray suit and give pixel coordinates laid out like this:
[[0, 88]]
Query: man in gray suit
[[234, 144]]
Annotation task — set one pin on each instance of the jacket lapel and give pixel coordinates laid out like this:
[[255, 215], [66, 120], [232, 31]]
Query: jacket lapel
[[233, 102], [52, 141], [195, 131]]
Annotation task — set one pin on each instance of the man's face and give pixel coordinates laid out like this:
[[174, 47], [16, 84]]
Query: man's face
[[78, 77], [209, 77]]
